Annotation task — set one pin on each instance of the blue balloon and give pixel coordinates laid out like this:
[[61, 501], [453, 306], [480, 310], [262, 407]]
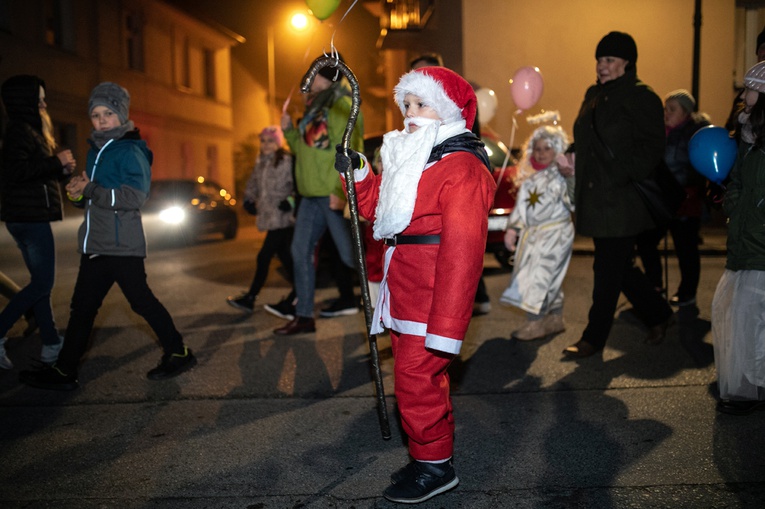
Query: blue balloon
[[712, 152]]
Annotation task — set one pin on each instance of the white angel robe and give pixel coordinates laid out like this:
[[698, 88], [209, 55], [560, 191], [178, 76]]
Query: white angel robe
[[542, 213]]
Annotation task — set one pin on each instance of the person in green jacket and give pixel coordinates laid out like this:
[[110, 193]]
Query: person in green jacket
[[313, 141], [619, 135]]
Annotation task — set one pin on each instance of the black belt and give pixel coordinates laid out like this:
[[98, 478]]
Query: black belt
[[412, 239]]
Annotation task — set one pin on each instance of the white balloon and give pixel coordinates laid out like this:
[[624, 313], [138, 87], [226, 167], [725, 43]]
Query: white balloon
[[487, 104]]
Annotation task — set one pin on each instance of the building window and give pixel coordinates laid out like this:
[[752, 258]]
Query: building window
[[134, 24], [186, 63], [212, 162], [59, 24], [209, 70], [187, 160]]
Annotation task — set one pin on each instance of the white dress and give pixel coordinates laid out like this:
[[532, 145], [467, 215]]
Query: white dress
[[542, 213], [738, 328]]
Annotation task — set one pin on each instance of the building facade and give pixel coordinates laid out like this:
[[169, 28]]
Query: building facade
[[177, 69]]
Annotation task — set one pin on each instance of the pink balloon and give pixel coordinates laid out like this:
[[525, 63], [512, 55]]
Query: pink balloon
[[526, 87]]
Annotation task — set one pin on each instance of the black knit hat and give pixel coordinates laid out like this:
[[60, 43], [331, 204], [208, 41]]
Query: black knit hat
[[618, 44]]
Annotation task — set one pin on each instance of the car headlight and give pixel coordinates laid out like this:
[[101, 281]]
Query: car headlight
[[173, 215]]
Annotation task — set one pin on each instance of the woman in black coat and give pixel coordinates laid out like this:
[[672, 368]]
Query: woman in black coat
[[619, 135], [30, 199]]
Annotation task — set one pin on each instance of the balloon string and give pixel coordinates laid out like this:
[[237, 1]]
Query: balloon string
[[346, 13], [333, 51], [507, 156], [512, 140]]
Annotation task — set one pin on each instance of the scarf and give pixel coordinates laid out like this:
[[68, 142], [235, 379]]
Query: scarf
[[313, 125], [101, 138], [465, 142], [405, 156], [536, 165]]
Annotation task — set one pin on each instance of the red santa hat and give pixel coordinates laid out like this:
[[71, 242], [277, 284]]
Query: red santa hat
[[443, 90]]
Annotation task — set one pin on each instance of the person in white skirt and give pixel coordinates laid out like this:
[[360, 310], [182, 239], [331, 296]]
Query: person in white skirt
[[541, 224], [738, 306]]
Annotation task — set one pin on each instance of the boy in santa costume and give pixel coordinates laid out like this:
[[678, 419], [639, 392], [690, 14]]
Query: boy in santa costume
[[431, 207]]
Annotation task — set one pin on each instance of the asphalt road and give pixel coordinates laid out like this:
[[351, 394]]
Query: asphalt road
[[288, 422]]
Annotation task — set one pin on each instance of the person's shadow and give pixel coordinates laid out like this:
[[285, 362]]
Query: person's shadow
[[568, 440]]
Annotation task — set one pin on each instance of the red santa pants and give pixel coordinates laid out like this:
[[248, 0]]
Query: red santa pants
[[422, 394]]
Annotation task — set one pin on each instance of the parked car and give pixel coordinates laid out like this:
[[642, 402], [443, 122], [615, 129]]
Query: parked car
[[190, 209], [504, 199]]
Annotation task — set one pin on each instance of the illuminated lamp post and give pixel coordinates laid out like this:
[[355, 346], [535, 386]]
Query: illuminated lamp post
[[299, 22]]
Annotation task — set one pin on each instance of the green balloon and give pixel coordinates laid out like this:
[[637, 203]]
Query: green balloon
[[322, 9]]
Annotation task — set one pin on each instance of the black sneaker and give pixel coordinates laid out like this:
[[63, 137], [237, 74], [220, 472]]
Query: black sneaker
[[50, 377], [173, 365], [283, 309], [244, 302], [739, 407], [420, 481], [340, 308], [402, 473]]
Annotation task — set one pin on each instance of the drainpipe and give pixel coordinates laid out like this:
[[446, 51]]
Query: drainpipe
[[696, 51]]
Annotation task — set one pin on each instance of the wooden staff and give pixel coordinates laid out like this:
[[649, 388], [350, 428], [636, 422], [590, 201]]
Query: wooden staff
[[350, 184]]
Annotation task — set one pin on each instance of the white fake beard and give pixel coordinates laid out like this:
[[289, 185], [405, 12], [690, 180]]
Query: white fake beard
[[404, 156]]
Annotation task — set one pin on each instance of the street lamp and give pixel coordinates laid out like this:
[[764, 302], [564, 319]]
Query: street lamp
[[299, 21]]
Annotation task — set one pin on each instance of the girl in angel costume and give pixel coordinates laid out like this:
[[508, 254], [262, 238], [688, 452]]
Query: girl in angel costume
[[542, 225]]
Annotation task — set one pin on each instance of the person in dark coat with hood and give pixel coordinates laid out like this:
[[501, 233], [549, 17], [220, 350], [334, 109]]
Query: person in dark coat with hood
[[30, 199], [619, 136]]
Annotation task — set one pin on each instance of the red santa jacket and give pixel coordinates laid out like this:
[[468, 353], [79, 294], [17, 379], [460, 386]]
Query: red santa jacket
[[432, 287]]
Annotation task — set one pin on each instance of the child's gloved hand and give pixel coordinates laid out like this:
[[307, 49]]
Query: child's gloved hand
[[511, 236], [342, 161], [285, 206]]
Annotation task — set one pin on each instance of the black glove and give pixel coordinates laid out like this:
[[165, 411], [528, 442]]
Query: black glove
[[715, 193], [250, 207], [342, 161], [285, 206]]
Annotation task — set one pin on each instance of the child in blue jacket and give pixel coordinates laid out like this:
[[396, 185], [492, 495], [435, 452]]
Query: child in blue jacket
[[112, 242]]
